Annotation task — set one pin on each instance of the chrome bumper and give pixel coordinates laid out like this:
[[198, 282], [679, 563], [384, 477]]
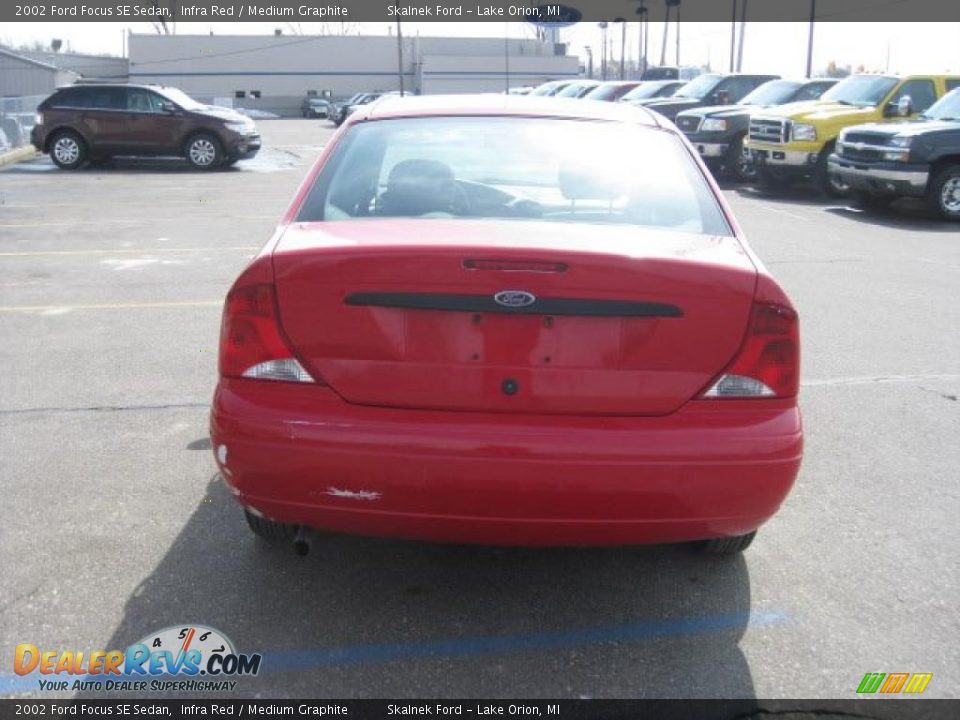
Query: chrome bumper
[[797, 158], [711, 150], [917, 179]]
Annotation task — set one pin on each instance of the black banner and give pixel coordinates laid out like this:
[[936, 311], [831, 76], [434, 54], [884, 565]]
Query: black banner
[[541, 11], [877, 708]]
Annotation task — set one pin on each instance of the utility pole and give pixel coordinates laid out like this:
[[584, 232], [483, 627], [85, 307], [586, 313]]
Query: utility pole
[[400, 57], [663, 56], [641, 46], [743, 32], [623, 46], [603, 50], [733, 35], [678, 33], [506, 57], [663, 47], [813, 17]]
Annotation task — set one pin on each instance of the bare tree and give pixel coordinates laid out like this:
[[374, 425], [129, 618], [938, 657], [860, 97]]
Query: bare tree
[[165, 24]]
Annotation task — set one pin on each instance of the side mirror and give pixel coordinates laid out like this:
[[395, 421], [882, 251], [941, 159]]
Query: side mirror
[[905, 106]]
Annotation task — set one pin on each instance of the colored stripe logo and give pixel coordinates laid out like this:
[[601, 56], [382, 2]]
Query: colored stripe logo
[[893, 683]]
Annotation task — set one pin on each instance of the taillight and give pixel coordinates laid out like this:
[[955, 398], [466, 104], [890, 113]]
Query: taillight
[[768, 364], [38, 118], [251, 342]]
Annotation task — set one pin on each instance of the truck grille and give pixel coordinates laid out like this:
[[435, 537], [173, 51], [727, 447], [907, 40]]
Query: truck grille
[[689, 123], [770, 130], [862, 146]]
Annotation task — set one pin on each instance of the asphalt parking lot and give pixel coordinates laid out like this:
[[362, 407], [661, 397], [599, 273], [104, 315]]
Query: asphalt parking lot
[[114, 523]]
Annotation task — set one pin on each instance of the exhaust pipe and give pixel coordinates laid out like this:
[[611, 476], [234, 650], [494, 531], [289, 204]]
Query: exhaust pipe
[[303, 542]]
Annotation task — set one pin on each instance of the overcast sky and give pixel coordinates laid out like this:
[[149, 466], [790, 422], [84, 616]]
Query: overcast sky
[[770, 47]]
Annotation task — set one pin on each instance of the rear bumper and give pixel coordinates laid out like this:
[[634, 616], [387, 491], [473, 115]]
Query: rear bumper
[[881, 177], [302, 455]]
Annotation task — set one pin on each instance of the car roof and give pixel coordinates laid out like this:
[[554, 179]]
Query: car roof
[[136, 86], [503, 105]]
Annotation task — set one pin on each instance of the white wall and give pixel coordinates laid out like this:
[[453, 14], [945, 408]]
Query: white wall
[[283, 68], [457, 74]]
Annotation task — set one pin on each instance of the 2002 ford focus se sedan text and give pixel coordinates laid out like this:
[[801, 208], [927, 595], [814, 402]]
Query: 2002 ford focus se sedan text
[[512, 321]]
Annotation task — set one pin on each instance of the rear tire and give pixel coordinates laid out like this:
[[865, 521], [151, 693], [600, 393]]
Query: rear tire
[[269, 530], [728, 545], [68, 150], [203, 151], [943, 193]]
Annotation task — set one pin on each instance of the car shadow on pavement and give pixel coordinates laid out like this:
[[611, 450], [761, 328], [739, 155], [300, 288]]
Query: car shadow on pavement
[[905, 214], [795, 195], [363, 617]]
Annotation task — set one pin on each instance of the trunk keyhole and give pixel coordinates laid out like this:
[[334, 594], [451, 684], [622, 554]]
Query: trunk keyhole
[[510, 386]]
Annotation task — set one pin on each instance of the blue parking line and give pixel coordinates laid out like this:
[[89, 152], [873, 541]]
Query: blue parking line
[[300, 660]]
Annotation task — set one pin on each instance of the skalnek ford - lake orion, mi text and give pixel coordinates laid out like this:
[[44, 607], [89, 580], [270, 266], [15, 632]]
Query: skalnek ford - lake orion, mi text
[[477, 10]]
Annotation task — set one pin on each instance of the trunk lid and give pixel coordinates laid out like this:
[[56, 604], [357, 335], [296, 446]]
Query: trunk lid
[[402, 313]]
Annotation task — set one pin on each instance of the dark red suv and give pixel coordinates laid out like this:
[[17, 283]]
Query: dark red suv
[[95, 122]]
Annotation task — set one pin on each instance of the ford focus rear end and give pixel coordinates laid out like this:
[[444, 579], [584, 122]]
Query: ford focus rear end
[[508, 323]]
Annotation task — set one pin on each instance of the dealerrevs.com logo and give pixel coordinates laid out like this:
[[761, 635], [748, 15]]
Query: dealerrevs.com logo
[[894, 683], [184, 658]]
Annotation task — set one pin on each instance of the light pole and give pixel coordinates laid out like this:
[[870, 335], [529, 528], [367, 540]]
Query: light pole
[[743, 32], [623, 45], [671, 4], [400, 57], [641, 41], [603, 53], [589, 51], [813, 17], [733, 35]]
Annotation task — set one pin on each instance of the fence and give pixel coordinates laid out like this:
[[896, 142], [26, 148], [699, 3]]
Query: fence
[[16, 119]]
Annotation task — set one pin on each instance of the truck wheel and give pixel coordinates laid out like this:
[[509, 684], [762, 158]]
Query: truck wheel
[[943, 193], [727, 545], [771, 182], [739, 166], [871, 201], [832, 186], [68, 150], [203, 151]]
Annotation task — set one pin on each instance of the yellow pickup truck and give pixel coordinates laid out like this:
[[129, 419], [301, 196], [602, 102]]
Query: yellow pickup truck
[[792, 142]]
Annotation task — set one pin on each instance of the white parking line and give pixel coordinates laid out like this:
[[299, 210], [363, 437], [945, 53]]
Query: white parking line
[[137, 251], [60, 309]]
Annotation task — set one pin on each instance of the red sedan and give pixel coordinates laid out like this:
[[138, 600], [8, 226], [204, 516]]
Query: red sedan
[[508, 320]]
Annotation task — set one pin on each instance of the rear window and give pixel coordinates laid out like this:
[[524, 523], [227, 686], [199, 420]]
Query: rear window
[[68, 98], [514, 168], [91, 97]]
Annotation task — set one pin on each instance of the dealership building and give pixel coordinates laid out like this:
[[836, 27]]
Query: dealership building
[[275, 72]]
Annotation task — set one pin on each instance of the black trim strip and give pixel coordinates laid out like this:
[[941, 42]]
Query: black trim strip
[[486, 303]]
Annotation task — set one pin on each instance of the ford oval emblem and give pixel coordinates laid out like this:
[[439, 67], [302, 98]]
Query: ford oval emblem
[[514, 298]]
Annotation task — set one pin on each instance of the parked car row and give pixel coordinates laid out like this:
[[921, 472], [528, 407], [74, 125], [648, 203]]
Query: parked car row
[[871, 137]]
